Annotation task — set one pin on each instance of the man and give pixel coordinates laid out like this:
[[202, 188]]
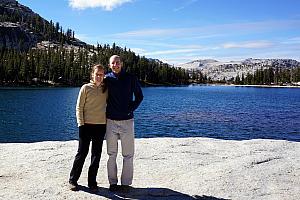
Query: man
[[122, 86]]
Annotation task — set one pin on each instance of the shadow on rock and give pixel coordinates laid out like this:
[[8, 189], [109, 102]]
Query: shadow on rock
[[147, 194]]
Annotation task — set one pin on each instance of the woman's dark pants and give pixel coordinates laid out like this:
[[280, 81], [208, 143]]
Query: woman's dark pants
[[87, 133]]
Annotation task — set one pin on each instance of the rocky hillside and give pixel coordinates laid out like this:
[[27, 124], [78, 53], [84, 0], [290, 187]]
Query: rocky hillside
[[22, 29], [217, 70], [15, 34]]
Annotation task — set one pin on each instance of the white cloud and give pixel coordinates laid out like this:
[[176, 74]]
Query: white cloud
[[235, 41], [186, 3], [294, 40], [138, 50], [250, 45], [178, 9], [175, 51], [105, 4], [147, 32], [82, 37], [213, 30], [160, 45]]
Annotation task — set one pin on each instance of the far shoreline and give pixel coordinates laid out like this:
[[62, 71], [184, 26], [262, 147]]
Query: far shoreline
[[143, 84], [265, 86], [233, 85]]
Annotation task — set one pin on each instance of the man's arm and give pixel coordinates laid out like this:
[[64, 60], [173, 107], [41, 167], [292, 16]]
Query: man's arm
[[138, 94]]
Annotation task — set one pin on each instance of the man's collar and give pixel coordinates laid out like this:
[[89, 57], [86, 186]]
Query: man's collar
[[114, 75]]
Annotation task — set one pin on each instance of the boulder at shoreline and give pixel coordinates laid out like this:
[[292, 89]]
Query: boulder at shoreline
[[164, 168]]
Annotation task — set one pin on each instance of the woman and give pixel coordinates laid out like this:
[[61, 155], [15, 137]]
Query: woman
[[91, 119]]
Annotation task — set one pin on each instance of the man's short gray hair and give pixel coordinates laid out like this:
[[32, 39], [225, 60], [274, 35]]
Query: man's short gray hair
[[114, 57]]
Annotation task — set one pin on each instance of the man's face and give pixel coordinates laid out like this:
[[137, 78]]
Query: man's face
[[115, 65]]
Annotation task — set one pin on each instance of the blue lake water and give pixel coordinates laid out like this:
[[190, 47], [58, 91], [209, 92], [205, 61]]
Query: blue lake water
[[231, 113]]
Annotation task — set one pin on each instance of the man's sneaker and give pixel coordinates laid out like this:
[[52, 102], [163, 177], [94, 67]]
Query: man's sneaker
[[73, 186], [94, 189], [125, 188], [113, 188]]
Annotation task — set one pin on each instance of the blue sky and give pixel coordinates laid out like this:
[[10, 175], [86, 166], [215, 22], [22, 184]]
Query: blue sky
[[179, 31]]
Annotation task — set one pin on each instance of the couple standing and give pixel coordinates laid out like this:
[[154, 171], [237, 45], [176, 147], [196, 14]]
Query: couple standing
[[105, 109]]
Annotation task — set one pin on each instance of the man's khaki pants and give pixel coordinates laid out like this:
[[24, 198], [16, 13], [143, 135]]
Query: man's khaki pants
[[123, 130]]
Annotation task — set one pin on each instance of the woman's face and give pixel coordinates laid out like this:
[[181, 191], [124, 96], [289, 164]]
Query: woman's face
[[98, 76]]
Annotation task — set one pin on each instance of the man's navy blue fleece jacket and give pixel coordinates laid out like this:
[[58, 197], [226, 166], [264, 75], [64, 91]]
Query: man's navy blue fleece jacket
[[121, 89]]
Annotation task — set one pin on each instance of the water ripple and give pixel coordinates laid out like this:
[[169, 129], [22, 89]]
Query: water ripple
[[216, 112]]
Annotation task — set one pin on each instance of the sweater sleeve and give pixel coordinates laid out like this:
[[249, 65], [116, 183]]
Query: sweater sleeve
[[80, 106], [138, 94]]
